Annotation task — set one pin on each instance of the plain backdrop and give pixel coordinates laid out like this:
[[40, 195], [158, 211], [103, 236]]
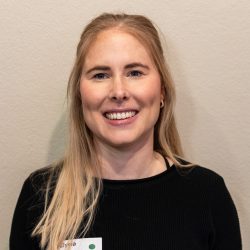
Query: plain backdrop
[[208, 50]]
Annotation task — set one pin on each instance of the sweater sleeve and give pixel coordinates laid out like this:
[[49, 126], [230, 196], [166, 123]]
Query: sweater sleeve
[[19, 236], [225, 219], [24, 219]]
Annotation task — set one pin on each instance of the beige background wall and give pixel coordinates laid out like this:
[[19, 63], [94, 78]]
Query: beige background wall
[[208, 49]]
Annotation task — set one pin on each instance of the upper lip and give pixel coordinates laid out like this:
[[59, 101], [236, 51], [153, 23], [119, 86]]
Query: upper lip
[[120, 110]]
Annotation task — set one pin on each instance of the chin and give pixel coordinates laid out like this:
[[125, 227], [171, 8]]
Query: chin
[[121, 143], [117, 142]]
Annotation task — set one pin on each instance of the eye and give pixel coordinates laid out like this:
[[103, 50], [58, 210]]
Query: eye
[[135, 73], [100, 76]]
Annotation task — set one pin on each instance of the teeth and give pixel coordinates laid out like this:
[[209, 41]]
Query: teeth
[[120, 116]]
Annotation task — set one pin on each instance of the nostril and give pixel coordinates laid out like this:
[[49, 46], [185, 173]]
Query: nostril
[[119, 95]]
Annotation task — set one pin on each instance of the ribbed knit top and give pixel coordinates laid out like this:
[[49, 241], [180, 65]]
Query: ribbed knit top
[[169, 211]]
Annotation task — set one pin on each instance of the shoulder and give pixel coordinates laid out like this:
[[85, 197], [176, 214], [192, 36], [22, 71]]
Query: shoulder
[[41, 179], [197, 172], [205, 183], [225, 221], [201, 177], [31, 204], [200, 173]]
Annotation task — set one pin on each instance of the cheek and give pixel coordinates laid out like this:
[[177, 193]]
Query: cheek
[[91, 97], [151, 96], [89, 106]]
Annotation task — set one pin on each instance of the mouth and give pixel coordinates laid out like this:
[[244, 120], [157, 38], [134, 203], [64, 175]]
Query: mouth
[[122, 115]]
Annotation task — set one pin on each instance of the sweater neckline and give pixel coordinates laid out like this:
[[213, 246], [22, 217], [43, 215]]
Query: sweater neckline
[[151, 179]]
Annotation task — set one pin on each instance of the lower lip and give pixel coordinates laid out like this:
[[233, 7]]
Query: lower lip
[[122, 122]]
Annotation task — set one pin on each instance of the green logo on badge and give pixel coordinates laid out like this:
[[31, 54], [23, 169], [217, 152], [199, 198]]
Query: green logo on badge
[[91, 246]]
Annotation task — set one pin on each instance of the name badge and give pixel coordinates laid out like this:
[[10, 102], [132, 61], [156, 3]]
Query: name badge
[[82, 244]]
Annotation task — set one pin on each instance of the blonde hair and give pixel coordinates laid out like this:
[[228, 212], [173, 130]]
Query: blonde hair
[[78, 184]]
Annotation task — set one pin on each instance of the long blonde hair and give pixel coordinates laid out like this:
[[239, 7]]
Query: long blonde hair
[[76, 192]]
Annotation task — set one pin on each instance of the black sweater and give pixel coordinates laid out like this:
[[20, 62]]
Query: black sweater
[[168, 211]]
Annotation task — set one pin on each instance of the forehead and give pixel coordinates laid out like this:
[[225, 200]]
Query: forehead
[[115, 44]]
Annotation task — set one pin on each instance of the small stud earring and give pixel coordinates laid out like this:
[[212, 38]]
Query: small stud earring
[[162, 104]]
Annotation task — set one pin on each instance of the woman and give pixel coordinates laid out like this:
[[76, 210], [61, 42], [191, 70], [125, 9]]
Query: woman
[[122, 183]]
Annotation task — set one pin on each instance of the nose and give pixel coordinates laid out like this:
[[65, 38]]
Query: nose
[[118, 91]]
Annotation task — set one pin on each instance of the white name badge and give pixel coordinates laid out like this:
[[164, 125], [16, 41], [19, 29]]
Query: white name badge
[[82, 244]]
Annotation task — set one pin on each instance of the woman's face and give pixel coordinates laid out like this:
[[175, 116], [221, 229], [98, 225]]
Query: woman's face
[[121, 90]]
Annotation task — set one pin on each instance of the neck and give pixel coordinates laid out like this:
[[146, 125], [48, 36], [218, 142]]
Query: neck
[[131, 162]]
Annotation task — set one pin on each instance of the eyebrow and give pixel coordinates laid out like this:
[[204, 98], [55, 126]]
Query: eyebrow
[[134, 65], [128, 66]]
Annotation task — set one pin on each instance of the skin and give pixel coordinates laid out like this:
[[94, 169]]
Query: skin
[[119, 75]]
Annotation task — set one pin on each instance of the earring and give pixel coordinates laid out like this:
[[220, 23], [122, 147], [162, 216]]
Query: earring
[[162, 104]]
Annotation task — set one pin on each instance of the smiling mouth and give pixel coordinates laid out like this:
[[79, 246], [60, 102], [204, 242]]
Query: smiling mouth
[[120, 115]]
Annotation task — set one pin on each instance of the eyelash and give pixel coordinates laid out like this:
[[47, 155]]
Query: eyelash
[[137, 72], [101, 76], [98, 76]]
